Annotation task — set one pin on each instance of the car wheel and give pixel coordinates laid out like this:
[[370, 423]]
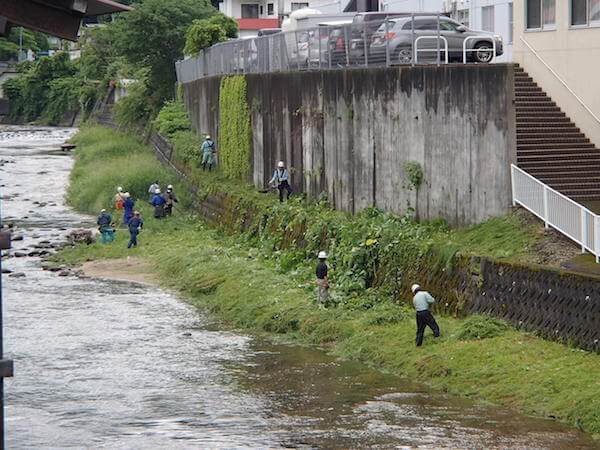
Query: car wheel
[[484, 52], [404, 55]]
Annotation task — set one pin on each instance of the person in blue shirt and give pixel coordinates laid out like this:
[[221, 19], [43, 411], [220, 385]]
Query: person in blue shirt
[[128, 206], [158, 201], [422, 301], [135, 226], [105, 227], [208, 152], [281, 180]]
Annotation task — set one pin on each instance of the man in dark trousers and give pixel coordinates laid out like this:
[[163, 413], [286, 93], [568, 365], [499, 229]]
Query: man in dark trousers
[[281, 180], [135, 226], [322, 280], [170, 200], [422, 301]]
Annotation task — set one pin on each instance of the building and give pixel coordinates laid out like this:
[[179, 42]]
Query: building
[[556, 41], [255, 15]]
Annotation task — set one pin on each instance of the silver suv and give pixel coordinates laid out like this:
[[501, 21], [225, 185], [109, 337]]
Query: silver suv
[[397, 36]]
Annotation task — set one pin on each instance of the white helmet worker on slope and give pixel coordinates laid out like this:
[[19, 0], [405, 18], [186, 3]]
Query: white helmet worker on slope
[[422, 301], [322, 255], [281, 180]]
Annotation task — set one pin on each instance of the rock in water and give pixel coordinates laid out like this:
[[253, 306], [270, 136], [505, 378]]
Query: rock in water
[[17, 275], [81, 236]]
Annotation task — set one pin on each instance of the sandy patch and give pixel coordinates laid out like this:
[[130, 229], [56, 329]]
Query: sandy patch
[[125, 269]]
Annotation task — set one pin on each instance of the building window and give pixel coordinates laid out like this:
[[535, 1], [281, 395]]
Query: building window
[[510, 23], [585, 12], [297, 6], [487, 18], [262, 10], [461, 16], [270, 9], [541, 14], [249, 10]]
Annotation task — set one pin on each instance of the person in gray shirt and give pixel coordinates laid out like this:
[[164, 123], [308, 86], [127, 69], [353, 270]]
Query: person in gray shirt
[[422, 301]]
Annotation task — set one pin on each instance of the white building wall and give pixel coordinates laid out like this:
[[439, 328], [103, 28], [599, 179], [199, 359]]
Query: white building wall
[[502, 22]]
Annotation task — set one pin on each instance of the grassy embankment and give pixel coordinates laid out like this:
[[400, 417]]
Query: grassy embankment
[[260, 282]]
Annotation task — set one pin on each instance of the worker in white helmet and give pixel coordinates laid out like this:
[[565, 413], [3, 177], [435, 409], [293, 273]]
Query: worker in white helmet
[[208, 153], [322, 280], [422, 301], [281, 180]]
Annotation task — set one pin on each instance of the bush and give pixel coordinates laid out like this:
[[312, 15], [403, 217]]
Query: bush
[[172, 119], [481, 327], [207, 32]]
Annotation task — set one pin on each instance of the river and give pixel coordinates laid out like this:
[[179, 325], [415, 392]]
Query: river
[[102, 364]]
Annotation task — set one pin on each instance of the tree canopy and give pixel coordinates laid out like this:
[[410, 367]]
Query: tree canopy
[[206, 32]]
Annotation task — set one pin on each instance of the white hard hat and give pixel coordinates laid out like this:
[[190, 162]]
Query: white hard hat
[[415, 288], [126, 194], [157, 191], [102, 210], [281, 164], [170, 186], [208, 136], [119, 189], [322, 255]]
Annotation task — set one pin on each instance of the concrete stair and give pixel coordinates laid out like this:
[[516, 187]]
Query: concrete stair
[[550, 147]]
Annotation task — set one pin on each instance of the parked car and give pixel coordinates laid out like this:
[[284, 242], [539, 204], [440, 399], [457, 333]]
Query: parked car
[[398, 40], [364, 25]]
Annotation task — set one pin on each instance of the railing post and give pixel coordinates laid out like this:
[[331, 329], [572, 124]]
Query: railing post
[[596, 240], [346, 47], [437, 59], [512, 184], [583, 230], [366, 49], [387, 44], [545, 206]]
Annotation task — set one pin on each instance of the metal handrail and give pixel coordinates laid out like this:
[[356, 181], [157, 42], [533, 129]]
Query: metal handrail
[[481, 36], [437, 38], [559, 78]]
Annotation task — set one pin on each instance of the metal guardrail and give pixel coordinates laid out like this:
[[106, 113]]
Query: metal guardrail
[[570, 218], [370, 44]]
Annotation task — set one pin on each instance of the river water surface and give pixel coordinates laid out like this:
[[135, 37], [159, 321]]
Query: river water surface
[[119, 365]]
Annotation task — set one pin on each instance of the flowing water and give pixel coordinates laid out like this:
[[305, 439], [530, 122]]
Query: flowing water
[[119, 365]]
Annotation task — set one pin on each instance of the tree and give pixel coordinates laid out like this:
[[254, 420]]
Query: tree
[[207, 32], [153, 36]]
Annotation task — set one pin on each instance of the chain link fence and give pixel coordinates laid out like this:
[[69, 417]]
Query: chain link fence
[[408, 39]]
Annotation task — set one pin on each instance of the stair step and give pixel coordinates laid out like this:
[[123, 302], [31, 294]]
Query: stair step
[[553, 128], [523, 77], [527, 120], [570, 133], [558, 153], [539, 109], [579, 171], [532, 158], [563, 163], [557, 146], [552, 111], [534, 101], [543, 143]]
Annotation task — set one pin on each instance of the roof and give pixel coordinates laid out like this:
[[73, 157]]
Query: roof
[[257, 24], [100, 7], [60, 18]]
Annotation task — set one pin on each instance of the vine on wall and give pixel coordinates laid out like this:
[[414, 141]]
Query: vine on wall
[[234, 128]]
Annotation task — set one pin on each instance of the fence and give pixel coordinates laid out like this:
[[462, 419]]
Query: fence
[[558, 211], [406, 39]]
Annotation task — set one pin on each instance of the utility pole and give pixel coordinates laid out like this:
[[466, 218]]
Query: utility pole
[[20, 44], [6, 365]]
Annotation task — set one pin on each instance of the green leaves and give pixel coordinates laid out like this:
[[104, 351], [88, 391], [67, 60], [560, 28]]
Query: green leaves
[[207, 32], [235, 133]]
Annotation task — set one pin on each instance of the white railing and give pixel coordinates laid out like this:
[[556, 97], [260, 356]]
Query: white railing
[[437, 50], [573, 220]]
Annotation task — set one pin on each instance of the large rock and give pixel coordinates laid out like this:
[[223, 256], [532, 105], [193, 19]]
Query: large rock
[[81, 236]]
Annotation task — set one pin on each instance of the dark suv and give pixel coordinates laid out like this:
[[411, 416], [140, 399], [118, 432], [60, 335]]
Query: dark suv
[[395, 40]]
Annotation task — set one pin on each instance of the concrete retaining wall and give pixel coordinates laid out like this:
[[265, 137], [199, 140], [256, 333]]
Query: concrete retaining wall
[[349, 133]]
